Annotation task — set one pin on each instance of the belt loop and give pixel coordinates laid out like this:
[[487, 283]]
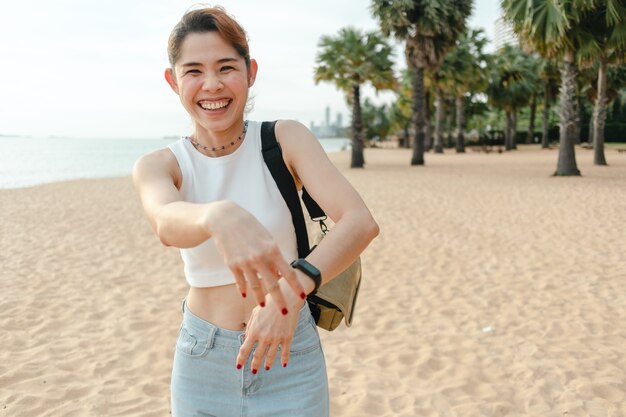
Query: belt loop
[[211, 337]]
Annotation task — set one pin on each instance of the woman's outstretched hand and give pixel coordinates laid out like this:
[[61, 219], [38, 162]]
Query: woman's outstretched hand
[[251, 253], [269, 330]]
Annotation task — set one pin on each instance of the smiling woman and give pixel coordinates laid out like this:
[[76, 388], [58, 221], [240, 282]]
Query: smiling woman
[[211, 195]]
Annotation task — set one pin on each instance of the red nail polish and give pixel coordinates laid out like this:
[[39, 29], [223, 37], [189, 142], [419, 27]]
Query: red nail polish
[[262, 303], [285, 311], [302, 295], [284, 365], [244, 295], [267, 368], [254, 371], [238, 366]]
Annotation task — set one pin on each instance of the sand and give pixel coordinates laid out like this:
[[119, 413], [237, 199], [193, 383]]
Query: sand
[[494, 289]]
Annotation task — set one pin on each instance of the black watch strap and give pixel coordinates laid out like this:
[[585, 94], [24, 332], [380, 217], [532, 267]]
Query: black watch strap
[[309, 270]]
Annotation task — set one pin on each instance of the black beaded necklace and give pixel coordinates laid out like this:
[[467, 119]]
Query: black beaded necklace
[[223, 147]]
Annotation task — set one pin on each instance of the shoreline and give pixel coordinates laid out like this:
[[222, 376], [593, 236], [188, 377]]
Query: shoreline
[[470, 151]]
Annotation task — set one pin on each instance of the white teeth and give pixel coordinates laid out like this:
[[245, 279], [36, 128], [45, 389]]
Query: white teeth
[[214, 105]]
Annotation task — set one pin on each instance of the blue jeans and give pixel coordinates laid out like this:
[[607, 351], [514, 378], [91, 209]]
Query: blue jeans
[[206, 382]]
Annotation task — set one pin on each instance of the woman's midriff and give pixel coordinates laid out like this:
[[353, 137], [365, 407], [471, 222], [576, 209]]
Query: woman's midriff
[[222, 306]]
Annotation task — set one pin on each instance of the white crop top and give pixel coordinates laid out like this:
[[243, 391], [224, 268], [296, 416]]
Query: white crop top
[[241, 177]]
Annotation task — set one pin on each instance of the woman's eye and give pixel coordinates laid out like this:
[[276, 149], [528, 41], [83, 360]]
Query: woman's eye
[[226, 68], [193, 71]]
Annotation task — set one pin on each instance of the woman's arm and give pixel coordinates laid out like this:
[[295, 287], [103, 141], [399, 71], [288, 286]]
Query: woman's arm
[[247, 247], [354, 229], [354, 225]]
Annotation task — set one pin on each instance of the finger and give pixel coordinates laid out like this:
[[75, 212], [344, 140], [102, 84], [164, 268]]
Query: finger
[[290, 276], [254, 285], [271, 356], [244, 351], [257, 357], [272, 286], [284, 352], [240, 280]]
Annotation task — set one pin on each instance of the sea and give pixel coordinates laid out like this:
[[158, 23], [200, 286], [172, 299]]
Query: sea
[[25, 162]]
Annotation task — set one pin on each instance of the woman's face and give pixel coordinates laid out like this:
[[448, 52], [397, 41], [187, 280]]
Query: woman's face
[[212, 81]]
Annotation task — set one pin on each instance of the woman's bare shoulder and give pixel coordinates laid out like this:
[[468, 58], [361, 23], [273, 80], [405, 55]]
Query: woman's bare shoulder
[[158, 163]]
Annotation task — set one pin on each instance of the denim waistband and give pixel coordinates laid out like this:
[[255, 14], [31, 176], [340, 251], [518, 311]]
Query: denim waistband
[[233, 338]]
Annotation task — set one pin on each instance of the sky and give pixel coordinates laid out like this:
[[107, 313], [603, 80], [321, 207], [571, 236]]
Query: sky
[[94, 69]]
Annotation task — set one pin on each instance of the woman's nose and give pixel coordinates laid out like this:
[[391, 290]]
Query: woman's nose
[[212, 83]]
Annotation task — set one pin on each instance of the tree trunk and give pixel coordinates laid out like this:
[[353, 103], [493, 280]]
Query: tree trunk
[[357, 134], [545, 140], [460, 119], [508, 140], [449, 118], [428, 140], [599, 117], [514, 128], [438, 122], [531, 124], [406, 136], [566, 164], [417, 81], [590, 133], [578, 111]]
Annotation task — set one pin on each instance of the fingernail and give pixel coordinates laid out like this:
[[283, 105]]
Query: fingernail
[[303, 296], [244, 295], [285, 311], [284, 365], [262, 303], [254, 371], [267, 368], [238, 366]]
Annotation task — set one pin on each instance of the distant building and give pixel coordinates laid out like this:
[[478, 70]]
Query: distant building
[[504, 34], [328, 129]]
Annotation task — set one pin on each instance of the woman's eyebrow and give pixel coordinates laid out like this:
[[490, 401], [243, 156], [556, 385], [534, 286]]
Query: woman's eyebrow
[[219, 61]]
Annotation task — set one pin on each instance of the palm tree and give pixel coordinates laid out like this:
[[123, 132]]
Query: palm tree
[[549, 74], [401, 109], [513, 80], [349, 60], [606, 23], [464, 68], [429, 28], [553, 28]]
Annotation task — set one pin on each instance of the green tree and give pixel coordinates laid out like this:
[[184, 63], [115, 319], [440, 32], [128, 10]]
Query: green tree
[[400, 113], [464, 70], [513, 81], [429, 29], [376, 120], [554, 29], [349, 60], [606, 23], [549, 75]]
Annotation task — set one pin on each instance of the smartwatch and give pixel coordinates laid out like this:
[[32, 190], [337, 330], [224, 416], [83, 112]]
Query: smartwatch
[[310, 271]]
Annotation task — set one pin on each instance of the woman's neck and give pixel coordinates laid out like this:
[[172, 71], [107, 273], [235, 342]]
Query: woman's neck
[[212, 141]]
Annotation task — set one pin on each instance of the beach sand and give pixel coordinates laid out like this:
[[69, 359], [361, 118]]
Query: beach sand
[[493, 289]]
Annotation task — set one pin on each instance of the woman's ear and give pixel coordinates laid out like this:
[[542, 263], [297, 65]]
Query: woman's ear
[[170, 77], [254, 67]]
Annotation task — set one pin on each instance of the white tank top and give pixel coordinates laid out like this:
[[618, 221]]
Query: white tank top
[[241, 177]]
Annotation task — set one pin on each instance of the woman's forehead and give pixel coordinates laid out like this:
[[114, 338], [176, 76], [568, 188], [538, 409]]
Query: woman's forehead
[[206, 47]]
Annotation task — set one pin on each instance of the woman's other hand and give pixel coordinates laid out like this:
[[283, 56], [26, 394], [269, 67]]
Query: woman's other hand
[[269, 330], [251, 253]]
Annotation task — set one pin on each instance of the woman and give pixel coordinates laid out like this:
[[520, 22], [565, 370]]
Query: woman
[[211, 195]]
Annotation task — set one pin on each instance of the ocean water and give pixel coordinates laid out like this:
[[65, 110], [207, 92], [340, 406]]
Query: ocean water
[[26, 162]]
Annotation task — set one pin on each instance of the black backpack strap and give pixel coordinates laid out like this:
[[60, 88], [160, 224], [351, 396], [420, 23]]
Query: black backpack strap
[[273, 157]]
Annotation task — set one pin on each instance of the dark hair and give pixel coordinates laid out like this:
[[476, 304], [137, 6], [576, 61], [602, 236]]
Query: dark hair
[[210, 19]]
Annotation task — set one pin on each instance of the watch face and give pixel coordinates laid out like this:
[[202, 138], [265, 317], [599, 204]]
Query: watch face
[[307, 268]]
